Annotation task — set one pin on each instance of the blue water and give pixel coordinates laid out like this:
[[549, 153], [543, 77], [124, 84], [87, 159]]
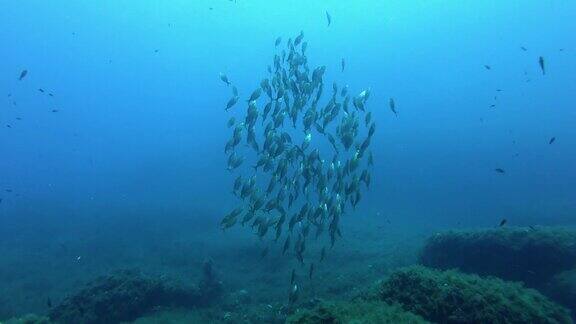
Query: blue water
[[140, 125]]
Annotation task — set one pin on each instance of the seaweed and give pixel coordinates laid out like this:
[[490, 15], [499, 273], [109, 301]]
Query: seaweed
[[454, 297], [358, 312], [531, 255], [562, 288], [126, 295], [29, 319]]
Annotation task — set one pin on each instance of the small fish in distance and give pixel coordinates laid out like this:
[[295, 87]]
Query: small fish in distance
[[552, 140], [499, 170], [503, 222], [542, 65], [392, 104], [23, 74], [224, 78], [487, 67], [328, 18]]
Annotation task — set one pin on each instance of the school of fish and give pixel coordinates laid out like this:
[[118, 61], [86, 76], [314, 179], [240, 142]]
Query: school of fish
[[311, 154]]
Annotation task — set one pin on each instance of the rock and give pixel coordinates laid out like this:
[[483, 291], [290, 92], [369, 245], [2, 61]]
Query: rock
[[358, 312], [530, 255], [124, 296], [562, 288], [29, 319], [454, 297]]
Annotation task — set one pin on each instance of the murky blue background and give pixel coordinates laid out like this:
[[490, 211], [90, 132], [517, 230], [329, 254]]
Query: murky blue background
[[140, 127]]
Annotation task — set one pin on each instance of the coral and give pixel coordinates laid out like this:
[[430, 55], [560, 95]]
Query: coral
[[531, 255], [123, 297], [358, 312], [454, 297]]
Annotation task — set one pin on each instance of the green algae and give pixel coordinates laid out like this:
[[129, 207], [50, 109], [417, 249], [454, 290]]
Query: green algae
[[28, 319], [454, 297], [562, 288], [531, 255], [356, 312]]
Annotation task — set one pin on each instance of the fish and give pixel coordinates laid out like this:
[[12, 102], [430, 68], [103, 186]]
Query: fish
[[342, 65], [503, 222], [328, 18], [224, 78], [278, 41], [499, 170], [542, 65], [48, 302], [523, 48], [286, 245], [487, 67], [552, 140], [298, 39], [293, 296], [41, 90], [393, 106], [264, 253], [255, 95], [231, 122], [23, 74], [293, 277], [237, 183], [311, 271], [231, 103]]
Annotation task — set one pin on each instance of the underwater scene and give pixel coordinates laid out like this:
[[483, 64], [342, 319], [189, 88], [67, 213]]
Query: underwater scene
[[287, 161]]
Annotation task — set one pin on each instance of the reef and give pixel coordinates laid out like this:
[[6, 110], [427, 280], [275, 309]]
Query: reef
[[418, 294], [562, 288], [532, 255], [454, 297], [126, 295], [359, 312]]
